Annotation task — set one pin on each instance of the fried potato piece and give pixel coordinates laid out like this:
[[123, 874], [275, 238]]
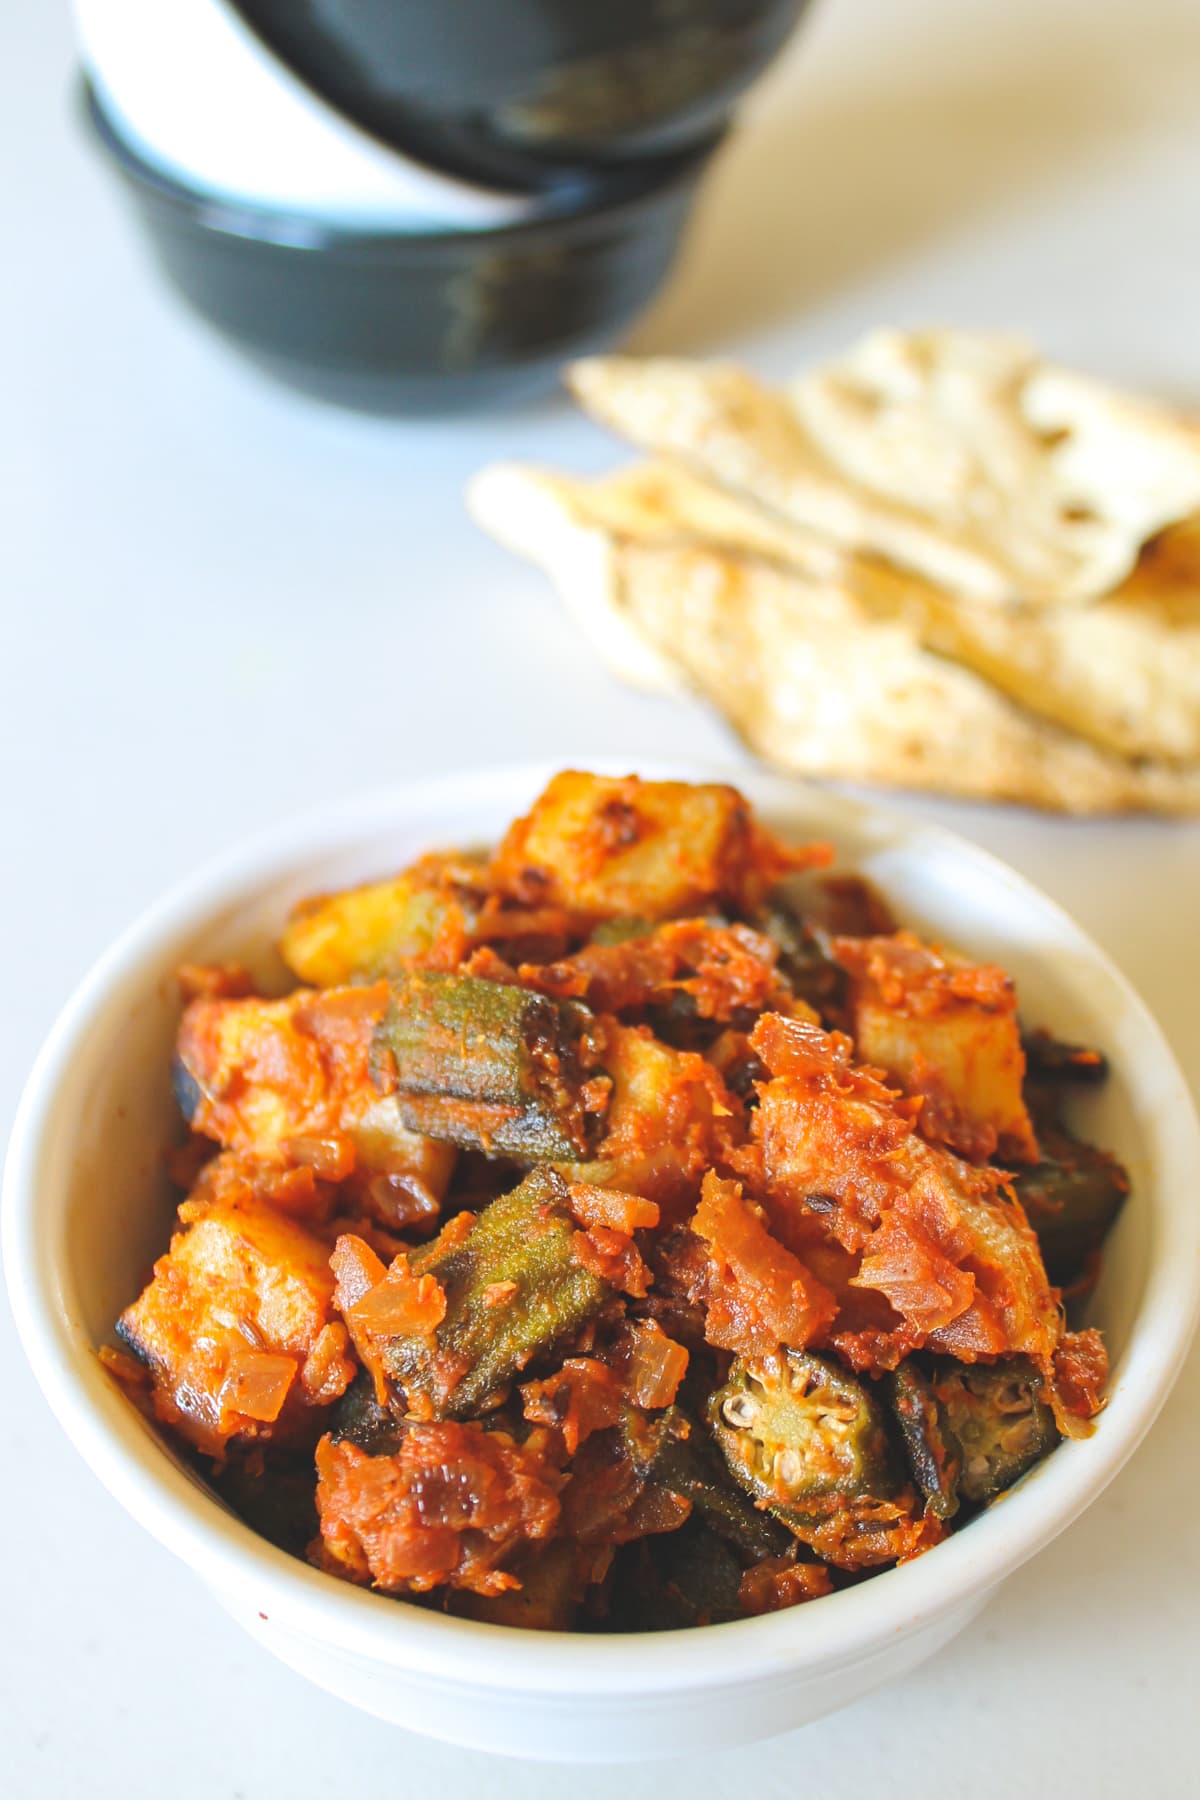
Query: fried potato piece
[[670, 1117], [256, 1073], [375, 929], [957, 455], [606, 846], [238, 1325], [945, 1029], [278, 1078]]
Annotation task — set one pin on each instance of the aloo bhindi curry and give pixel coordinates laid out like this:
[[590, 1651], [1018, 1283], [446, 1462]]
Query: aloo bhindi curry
[[631, 1227]]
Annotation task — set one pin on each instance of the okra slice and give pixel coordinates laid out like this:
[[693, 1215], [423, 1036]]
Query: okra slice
[[802, 1436], [672, 1451], [550, 1588], [1048, 1059], [995, 1416], [931, 1456], [1071, 1198], [515, 1290], [489, 1066], [804, 914], [277, 1500], [805, 961], [359, 1418], [675, 1580]]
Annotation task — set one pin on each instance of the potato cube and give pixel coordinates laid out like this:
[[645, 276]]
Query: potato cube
[[669, 1119], [946, 1029], [603, 846], [372, 930], [236, 1308]]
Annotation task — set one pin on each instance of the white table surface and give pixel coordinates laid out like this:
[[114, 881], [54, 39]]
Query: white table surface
[[223, 603]]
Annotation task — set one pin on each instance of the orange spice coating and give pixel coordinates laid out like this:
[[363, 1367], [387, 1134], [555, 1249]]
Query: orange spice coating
[[238, 1324], [449, 1508], [947, 1030], [724, 969]]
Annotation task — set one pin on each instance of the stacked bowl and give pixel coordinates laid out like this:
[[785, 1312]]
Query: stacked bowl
[[409, 207]]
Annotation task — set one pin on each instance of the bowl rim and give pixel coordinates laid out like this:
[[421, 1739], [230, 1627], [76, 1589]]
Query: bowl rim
[[158, 77], [576, 205], [535, 167], [129, 1460]]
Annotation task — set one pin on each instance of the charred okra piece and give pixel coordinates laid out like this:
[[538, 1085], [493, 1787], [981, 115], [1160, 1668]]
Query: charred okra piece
[[932, 1457], [276, 1501], [804, 914], [997, 1420], [1047, 1059], [801, 1435], [1071, 1197], [546, 1600], [359, 1418], [677, 1579], [671, 1451], [514, 1289], [489, 1066], [804, 959]]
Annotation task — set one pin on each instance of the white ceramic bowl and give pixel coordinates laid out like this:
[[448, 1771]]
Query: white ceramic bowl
[[201, 97], [86, 1209]]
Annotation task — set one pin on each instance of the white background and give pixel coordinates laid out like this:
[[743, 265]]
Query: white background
[[222, 604]]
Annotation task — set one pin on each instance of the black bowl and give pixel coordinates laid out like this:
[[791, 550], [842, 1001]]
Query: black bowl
[[421, 323], [517, 90]]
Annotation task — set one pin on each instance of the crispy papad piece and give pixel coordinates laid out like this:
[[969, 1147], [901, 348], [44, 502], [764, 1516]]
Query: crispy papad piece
[[1123, 673], [957, 455], [653, 503], [723, 424], [816, 678], [818, 684], [1057, 479]]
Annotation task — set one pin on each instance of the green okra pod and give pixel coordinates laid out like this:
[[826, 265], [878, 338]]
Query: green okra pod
[[490, 1066], [672, 1451], [931, 1453], [1048, 1059], [515, 1290], [997, 1420], [678, 1579], [802, 1436], [1071, 1197]]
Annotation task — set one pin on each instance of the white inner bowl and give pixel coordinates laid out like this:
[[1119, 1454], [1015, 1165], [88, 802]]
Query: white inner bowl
[[196, 94], [86, 1209]]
